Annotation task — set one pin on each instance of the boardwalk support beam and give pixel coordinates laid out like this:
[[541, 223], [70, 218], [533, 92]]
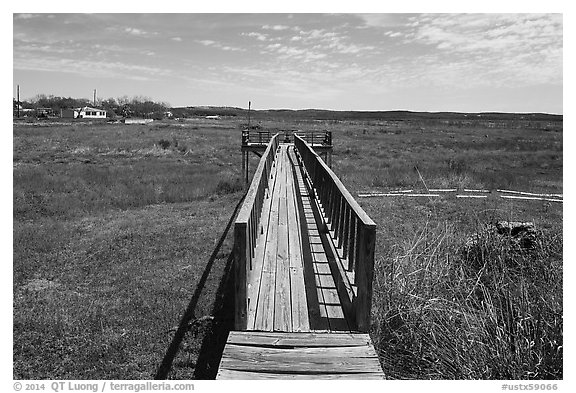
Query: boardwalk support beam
[[240, 261], [364, 276]]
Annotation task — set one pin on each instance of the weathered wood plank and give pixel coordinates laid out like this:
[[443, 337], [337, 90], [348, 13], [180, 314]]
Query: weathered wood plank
[[297, 361], [282, 303], [295, 247], [275, 355], [322, 322], [254, 375], [321, 263], [272, 239], [302, 364], [317, 248], [315, 321], [287, 353], [254, 276], [264, 318], [300, 320], [308, 339], [334, 312]]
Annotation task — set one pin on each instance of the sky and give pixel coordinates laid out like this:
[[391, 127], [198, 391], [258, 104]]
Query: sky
[[504, 62]]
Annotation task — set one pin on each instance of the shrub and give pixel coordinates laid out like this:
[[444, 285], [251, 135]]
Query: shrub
[[164, 144]]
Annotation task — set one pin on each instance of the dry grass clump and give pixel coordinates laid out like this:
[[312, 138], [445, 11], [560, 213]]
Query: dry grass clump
[[451, 307]]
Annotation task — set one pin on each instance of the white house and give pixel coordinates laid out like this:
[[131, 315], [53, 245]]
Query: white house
[[91, 113], [84, 113]]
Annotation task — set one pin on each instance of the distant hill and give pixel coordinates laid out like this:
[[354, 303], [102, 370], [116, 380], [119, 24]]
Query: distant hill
[[322, 114]]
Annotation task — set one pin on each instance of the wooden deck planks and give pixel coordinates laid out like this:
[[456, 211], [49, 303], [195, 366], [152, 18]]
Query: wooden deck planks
[[264, 318], [317, 312], [300, 319], [255, 375], [330, 306], [254, 276], [316, 321], [257, 355], [331, 315], [309, 339], [279, 292], [282, 302]]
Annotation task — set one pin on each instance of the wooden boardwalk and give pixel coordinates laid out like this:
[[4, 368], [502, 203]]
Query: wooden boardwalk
[[279, 297], [300, 313]]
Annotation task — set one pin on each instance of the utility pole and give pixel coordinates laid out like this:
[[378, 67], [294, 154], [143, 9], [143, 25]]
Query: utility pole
[[249, 103], [17, 101], [94, 97]]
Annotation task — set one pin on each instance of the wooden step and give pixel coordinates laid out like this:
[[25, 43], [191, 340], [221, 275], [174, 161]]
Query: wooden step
[[281, 355]]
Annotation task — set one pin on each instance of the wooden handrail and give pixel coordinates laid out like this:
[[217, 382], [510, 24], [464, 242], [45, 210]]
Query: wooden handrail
[[315, 138], [246, 229], [256, 137], [351, 229]]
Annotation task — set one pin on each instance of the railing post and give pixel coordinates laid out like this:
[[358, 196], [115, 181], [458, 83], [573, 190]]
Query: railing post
[[240, 261], [364, 274]]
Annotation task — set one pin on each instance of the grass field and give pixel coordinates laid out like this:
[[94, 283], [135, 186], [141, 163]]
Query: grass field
[[114, 225]]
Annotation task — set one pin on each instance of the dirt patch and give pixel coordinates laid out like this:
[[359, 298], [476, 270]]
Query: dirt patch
[[39, 284]]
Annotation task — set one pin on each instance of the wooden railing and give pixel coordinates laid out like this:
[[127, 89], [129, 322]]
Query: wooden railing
[[353, 233], [256, 137], [246, 229], [315, 138]]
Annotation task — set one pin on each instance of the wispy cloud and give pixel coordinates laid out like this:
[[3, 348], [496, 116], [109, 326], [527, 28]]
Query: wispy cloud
[[393, 34], [310, 44], [381, 20], [26, 16], [258, 36], [514, 48], [137, 32], [491, 32], [45, 48], [332, 42], [219, 45], [206, 42], [92, 69], [275, 27]]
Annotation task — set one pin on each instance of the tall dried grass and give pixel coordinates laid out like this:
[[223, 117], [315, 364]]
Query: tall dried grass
[[448, 307]]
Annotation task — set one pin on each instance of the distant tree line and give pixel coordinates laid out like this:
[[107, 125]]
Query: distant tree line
[[185, 112], [138, 106]]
